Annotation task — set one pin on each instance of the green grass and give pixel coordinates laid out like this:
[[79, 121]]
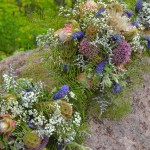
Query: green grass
[[121, 103], [19, 27]]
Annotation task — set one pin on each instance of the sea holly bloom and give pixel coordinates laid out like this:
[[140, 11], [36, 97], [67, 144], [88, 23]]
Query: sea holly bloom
[[135, 23], [129, 13], [117, 88], [147, 38], [99, 13], [77, 35], [7, 125], [100, 67], [117, 38]]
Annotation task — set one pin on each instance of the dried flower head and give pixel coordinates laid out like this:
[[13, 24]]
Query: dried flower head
[[86, 49], [100, 67], [129, 13], [121, 54], [118, 22], [66, 109], [31, 140], [115, 7], [129, 35], [10, 97], [91, 32]]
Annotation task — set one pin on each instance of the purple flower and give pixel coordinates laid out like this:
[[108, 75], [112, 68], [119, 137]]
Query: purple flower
[[65, 67], [44, 142], [86, 49], [138, 5], [77, 35], [117, 88], [100, 67], [121, 54], [147, 38], [128, 13], [117, 38], [99, 13], [135, 23], [62, 92]]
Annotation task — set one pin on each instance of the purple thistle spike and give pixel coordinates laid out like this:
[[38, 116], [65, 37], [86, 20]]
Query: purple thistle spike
[[129, 13], [117, 88], [147, 38], [138, 5], [135, 23], [62, 92], [100, 67], [77, 35], [99, 13], [44, 142]]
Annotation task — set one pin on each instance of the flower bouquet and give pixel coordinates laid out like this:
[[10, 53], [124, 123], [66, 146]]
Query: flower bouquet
[[33, 118], [143, 12], [95, 46]]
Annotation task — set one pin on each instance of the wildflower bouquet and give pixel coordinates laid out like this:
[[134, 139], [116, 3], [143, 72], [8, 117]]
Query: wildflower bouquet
[[95, 45], [33, 118]]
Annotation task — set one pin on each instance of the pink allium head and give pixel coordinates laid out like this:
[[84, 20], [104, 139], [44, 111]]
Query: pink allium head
[[89, 5], [121, 54], [7, 125], [86, 49]]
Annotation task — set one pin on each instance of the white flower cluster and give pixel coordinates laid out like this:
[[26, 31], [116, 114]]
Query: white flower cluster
[[136, 44], [64, 129], [23, 105], [9, 82], [47, 39], [144, 15], [11, 106]]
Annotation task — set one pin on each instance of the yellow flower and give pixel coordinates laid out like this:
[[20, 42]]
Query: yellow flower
[[30, 36], [18, 39]]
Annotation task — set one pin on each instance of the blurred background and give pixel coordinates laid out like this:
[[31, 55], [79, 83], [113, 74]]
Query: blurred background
[[22, 20]]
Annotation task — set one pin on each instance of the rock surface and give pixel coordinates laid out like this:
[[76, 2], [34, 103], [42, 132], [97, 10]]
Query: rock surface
[[132, 132], [17, 61]]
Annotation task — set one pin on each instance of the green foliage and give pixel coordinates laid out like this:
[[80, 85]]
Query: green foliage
[[21, 21]]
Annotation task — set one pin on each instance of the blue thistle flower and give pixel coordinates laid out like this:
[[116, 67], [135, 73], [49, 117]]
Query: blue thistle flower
[[31, 125], [64, 67], [99, 13], [129, 13], [77, 35], [147, 38], [135, 23], [100, 67], [117, 38], [138, 5], [62, 92], [117, 88]]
